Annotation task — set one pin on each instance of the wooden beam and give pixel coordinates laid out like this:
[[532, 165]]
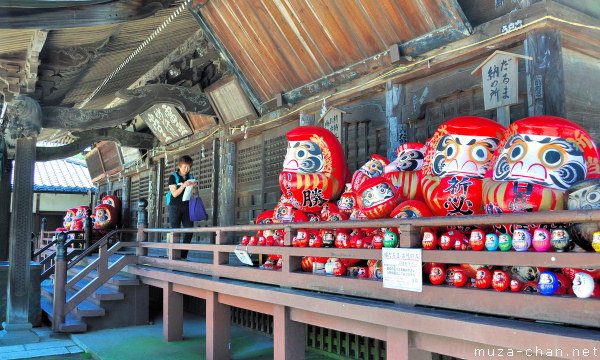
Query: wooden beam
[[38, 39], [138, 101], [111, 12], [87, 138]]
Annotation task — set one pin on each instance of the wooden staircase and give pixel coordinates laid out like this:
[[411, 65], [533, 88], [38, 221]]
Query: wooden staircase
[[122, 301]]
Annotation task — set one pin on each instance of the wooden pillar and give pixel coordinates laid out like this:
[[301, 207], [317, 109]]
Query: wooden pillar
[[397, 344], [218, 328], [545, 75], [5, 194], [125, 215], [155, 220], [172, 314], [215, 180], [17, 328], [289, 337], [142, 224], [226, 203], [396, 133]]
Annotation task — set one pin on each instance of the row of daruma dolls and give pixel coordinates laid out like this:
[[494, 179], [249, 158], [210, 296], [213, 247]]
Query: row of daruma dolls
[[470, 166], [106, 215]]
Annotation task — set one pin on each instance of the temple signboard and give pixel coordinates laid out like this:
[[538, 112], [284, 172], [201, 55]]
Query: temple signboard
[[165, 123]]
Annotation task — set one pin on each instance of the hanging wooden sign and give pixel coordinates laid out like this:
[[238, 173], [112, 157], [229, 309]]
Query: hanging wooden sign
[[500, 79], [165, 123], [333, 120]]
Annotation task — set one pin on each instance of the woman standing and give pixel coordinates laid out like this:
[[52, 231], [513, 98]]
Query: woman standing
[[179, 210]]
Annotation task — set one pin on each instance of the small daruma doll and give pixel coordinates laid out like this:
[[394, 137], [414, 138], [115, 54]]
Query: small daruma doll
[[347, 200], [500, 280], [541, 240], [314, 168], [377, 197], [483, 279], [456, 160], [477, 240], [521, 240], [106, 217], [68, 219]]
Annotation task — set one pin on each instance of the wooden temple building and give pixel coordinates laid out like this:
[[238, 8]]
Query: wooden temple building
[[145, 81]]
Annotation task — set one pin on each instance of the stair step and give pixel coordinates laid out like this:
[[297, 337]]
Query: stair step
[[104, 292], [72, 324], [85, 309], [117, 280]]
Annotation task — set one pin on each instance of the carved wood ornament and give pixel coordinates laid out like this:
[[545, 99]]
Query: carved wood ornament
[[91, 126]]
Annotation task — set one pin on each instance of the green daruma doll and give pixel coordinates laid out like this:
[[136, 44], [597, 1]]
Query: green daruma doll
[[390, 240]]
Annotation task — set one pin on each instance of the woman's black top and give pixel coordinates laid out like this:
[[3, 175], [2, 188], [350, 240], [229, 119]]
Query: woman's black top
[[175, 201]]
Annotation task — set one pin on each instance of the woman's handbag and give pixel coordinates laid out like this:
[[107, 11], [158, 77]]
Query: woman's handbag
[[197, 212]]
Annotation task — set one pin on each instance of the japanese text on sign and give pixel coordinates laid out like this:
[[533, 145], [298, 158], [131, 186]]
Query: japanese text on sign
[[332, 121], [402, 269], [500, 81]]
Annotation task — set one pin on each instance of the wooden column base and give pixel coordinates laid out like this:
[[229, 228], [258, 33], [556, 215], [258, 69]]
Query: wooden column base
[[218, 332], [172, 314]]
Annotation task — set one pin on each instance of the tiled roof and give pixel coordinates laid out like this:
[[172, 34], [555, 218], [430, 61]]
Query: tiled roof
[[63, 176]]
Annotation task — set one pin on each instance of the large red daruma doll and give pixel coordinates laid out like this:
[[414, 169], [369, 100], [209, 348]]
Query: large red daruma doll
[[105, 217], [314, 169], [537, 160], [404, 171], [456, 160]]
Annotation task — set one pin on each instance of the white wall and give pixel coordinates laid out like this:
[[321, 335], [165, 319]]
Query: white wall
[[58, 202]]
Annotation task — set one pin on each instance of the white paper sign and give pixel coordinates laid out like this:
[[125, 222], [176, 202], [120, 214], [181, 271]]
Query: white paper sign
[[243, 256], [402, 269]]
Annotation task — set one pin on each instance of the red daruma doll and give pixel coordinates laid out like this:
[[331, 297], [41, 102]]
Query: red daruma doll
[[456, 161], [314, 169], [537, 160]]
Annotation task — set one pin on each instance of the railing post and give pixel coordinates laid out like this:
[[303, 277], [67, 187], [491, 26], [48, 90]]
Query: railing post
[[103, 260], [60, 281], [410, 236], [290, 263], [220, 258], [142, 224], [175, 254], [87, 228]]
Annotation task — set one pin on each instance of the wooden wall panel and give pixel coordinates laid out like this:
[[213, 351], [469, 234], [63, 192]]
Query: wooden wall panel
[[259, 163], [140, 189], [428, 102], [582, 91]]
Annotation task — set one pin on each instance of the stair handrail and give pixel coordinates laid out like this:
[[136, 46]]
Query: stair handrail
[[103, 240], [61, 305], [38, 252]]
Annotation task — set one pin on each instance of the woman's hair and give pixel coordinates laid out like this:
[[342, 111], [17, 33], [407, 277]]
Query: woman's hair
[[185, 159]]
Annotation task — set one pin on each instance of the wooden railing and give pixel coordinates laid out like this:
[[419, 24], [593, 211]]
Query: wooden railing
[[46, 253], [563, 309]]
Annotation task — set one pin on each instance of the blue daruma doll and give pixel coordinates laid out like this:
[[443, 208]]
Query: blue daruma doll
[[491, 242], [548, 283]]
